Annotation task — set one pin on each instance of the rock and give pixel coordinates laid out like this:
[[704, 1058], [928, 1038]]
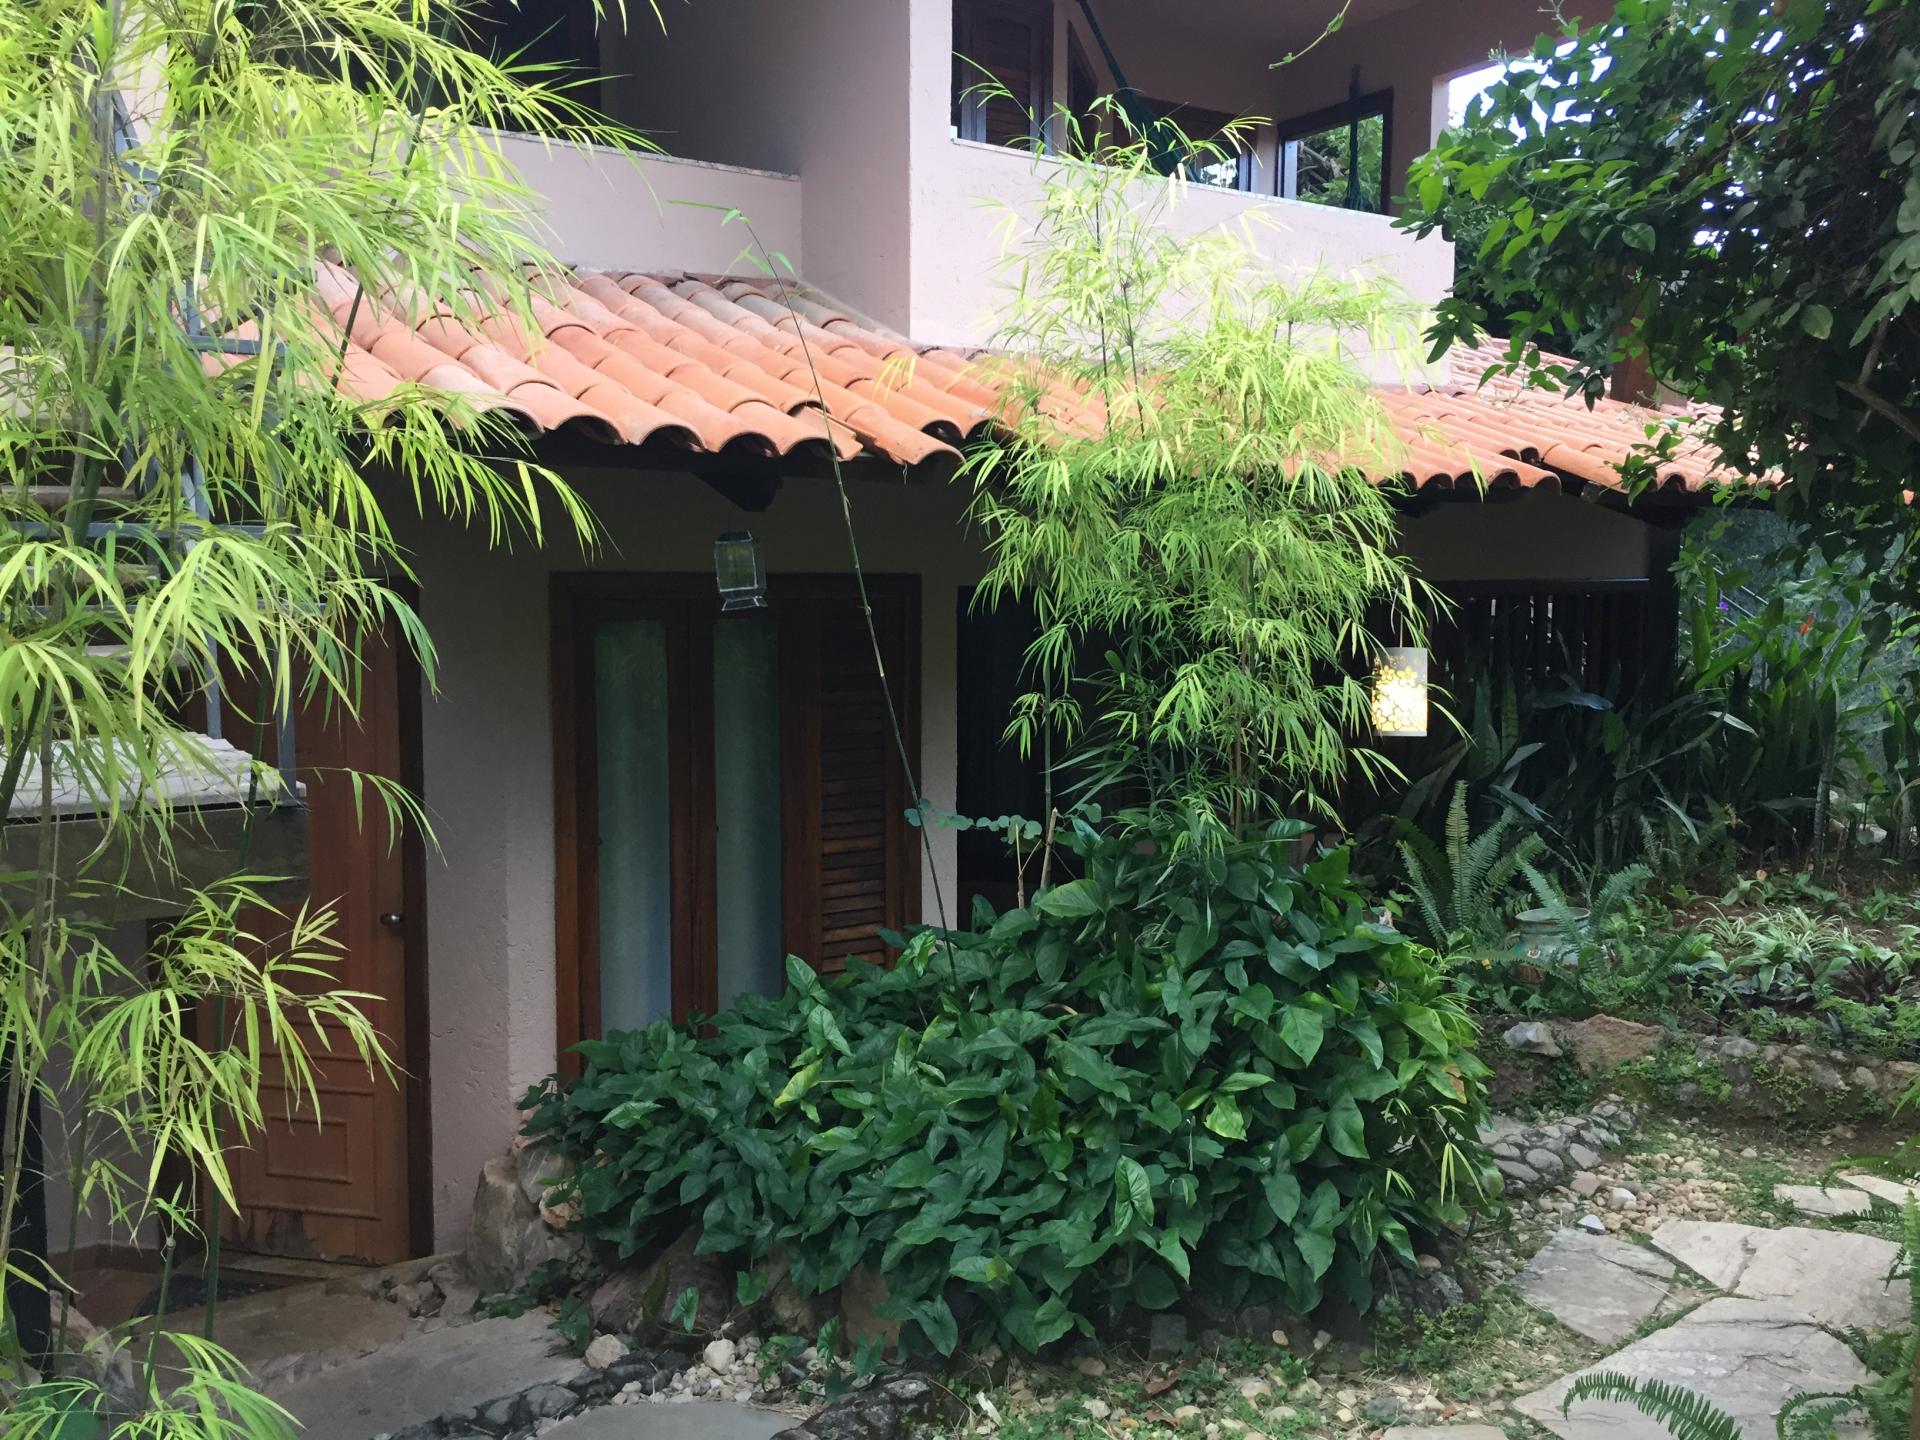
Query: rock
[[604, 1350], [1166, 1336], [1532, 1037], [1519, 1175], [1091, 1365], [506, 1238], [539, 1167], [549, 1402], [1622, 1198], [720, 1355], [787, 1311], [1255, 1388], [1604, 1042], [637, 1301], [1823, 1204], [860, 1300], [1829, 1276], [1582, 1156], [1186, 1414], [1445, 1432], [1545, 1161], [1586, 1184], [1593, 1225], [1428, 1263], [1597, 1287], [1383, 1408], [1745, 1356], [1098, 1409]]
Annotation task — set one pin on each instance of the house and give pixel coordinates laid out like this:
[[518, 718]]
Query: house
[[641, 803]]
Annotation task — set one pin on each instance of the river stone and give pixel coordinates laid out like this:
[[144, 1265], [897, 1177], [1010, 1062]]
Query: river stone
[[1597, 1287], [1824, 1204], [1748, 1357], [1829, 1275]]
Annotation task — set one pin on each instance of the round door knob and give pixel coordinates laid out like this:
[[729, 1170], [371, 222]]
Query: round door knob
[[392, 919]]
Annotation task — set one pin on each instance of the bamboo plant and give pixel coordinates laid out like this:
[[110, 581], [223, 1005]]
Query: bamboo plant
[[186, 493], [1210, 561]]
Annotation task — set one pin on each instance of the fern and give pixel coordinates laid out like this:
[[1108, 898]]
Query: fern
[[1614, 893], [1458, 886], [1687, 1415]]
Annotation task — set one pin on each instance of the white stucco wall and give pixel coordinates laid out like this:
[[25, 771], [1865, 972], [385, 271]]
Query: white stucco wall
[[487, 738], [607, 210]]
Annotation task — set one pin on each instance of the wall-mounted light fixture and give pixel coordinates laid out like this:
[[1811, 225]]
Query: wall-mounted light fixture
[[737, 570], [1400, 691]]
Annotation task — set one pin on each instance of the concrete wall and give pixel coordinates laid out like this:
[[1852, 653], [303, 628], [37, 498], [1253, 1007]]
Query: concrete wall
[[487, 740], [607, 210], [814, 88]]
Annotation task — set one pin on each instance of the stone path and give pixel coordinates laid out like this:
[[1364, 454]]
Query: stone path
[[1749, 1350], [716, 1421], [427, 1375], [1746, 1356], [1600, 1288]]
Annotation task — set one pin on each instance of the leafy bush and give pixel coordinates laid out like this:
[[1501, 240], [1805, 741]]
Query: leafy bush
[[1196, 1066]]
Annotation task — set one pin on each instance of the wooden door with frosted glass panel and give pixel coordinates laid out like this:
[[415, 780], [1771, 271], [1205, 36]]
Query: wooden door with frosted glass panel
[[339, 1184], [727, 790]]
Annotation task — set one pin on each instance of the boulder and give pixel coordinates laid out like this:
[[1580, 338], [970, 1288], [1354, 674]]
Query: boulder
[[860, 1300], [506, 1238], [638, 1300], [1603, 1042]]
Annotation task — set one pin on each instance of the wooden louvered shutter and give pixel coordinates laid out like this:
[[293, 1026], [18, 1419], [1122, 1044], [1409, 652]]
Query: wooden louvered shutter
[[851, 859], [1008, 43]]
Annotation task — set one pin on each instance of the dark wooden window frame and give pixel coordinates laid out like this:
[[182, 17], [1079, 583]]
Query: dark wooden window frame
[[578, 602], [969, 112], [1363, 107]]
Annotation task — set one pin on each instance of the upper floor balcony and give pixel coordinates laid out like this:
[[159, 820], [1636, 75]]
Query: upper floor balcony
[[853, 135]]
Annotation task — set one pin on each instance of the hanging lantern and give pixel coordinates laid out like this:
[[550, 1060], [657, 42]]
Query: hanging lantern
[[1400, 691], [736, 568]]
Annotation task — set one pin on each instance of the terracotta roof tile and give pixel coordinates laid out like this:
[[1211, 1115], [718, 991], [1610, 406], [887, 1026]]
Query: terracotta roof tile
[[709, 362]]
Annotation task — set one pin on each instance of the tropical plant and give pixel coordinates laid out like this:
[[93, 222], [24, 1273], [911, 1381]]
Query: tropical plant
[[1197, 1067], [1655, 179], [1207, 555], [199, 199], [1884, 1403], [1461, 887]]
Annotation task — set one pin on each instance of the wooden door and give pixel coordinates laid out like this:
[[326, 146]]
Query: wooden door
[[339, 1185]]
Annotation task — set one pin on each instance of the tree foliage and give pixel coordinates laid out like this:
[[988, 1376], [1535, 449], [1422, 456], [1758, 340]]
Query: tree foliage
[[1730, 188], [1207, 559], [196, 198]]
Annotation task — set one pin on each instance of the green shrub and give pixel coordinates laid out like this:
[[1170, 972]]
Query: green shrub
[[1197, 1066]]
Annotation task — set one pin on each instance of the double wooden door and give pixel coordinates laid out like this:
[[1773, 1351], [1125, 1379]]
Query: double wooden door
[[729, 790]]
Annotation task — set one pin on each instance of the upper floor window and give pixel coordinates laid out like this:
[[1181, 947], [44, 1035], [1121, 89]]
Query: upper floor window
[[1002, 68], [1219, 157], [1338, 156]]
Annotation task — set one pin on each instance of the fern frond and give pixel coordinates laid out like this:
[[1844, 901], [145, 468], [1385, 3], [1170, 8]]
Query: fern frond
[[1686, 1415], [1554, 901], [1421, 883], [1811, 1415]]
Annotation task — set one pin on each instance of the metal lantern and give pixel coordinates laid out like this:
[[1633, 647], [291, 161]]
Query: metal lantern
[[737, 570], [1400, 691]]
